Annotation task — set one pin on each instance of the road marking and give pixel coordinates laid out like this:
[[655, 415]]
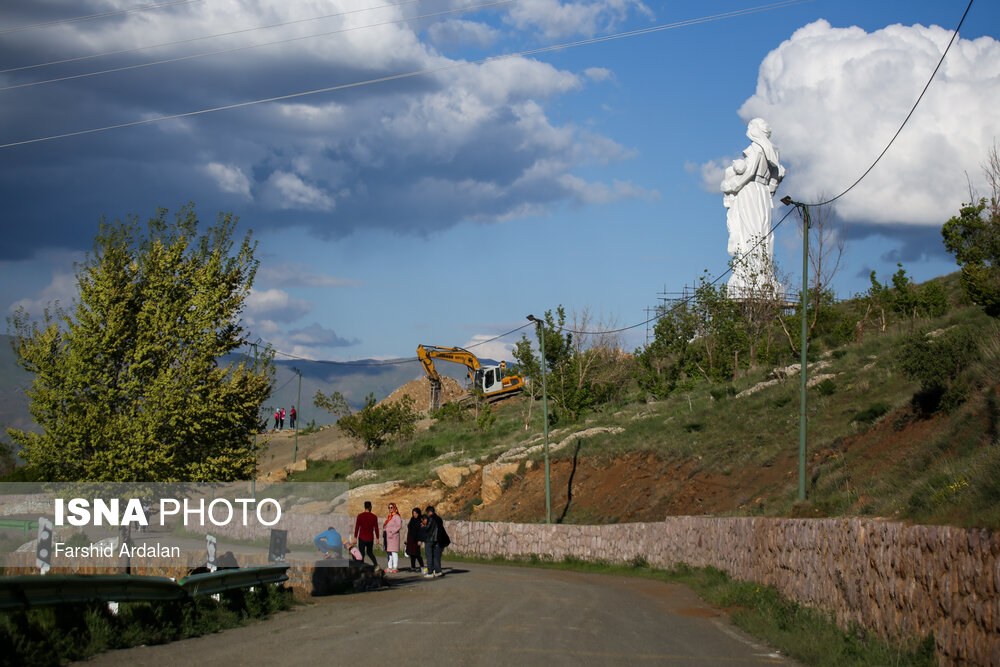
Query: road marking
[[616, 655], [408, 621]]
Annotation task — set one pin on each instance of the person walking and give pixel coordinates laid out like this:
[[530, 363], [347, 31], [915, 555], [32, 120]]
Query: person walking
[[390, 530], [291, 417], [366, 532], [413, 540], [282, 419], [435, 540]]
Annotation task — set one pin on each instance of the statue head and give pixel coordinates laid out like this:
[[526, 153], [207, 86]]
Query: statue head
[[758, 129]]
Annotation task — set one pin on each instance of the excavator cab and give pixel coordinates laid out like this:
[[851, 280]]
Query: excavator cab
[[489, 379]]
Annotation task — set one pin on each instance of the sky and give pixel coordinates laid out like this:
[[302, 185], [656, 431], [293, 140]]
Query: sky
[[434, 193]]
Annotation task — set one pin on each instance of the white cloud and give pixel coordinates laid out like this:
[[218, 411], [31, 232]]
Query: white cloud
[[285, 190], [554, 19], [363, 153], [460, 32], [229, 179], [275, 305], [62, 289], [497, 349], [598, 73], [317, 336], [293, 274], [835, 96]]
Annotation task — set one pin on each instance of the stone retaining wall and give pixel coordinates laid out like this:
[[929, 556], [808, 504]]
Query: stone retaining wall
[[897, 579]]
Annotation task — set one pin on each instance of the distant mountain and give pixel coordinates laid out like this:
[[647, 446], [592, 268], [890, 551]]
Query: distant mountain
[[355, 381]]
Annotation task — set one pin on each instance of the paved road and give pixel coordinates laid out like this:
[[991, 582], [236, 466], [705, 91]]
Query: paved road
[[481, 615]]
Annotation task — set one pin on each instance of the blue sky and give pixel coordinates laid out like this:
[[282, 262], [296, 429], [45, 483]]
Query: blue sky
[[444, 208]]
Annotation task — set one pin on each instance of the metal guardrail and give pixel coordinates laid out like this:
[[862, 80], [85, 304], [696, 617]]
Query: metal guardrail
[[27, 525], [224, 580], [32, 590]]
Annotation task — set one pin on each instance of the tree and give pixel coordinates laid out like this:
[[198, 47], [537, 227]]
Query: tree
[[826, 249], [973, 237], [131, 382], [335, 403], [375, 424]]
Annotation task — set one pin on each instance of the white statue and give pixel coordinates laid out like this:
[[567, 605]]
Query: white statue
[[748, 189]]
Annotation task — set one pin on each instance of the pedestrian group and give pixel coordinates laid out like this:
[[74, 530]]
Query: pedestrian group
[[425, 532]]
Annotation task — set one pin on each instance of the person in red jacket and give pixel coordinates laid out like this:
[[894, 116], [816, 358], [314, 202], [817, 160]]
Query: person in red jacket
[[366, 531]]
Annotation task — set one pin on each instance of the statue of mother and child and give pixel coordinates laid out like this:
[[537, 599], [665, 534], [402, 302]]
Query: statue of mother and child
[[748, 188]]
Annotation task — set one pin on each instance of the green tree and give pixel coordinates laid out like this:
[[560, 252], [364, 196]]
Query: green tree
[[973, 237], [335, 403], [938, 363], [376, 424], [132, 383]]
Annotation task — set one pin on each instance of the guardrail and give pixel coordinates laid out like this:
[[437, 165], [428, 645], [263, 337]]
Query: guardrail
[[32, 590], [27, 525]]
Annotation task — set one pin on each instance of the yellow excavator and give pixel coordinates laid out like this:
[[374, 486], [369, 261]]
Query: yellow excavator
[[491, 380]]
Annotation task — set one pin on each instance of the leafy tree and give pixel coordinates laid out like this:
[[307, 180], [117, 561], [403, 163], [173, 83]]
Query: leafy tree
[[973, 237], [130, 383], [335, 403], [376, 424], [938, 363]]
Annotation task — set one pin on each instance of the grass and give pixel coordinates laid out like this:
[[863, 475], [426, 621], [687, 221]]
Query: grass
[[55, 635], [865, 404], [803, 633]]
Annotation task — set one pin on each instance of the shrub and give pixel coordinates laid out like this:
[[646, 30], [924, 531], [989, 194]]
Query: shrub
[[871, 413], [826, 387]]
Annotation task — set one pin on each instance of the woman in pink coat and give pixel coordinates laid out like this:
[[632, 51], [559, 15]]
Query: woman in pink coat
[[390, 529]]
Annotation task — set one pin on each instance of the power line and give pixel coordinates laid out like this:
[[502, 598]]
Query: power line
[[395, 362], [415, 73], [102, 15], [685, 301], [862, 177], [197, 39], [954, 35], [248, 47]]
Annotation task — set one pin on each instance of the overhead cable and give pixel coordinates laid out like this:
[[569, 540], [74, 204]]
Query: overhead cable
[[415, 73], [88, 17], [247, 47], [203, 37], [685, 301], [954, 35]]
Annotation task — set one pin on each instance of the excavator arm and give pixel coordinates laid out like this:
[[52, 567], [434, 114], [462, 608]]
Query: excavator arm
[[428, 353]]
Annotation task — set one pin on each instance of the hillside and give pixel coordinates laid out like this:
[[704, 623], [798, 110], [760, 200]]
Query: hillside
[[873, 450]]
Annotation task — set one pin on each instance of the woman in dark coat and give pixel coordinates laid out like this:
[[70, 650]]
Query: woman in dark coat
[[413, 540]]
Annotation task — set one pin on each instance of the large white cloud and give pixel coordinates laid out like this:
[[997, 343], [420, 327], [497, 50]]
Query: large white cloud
[[335, 162], [835, 96]]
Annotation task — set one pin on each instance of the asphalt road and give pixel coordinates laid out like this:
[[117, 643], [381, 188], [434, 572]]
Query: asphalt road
[[481, 615]]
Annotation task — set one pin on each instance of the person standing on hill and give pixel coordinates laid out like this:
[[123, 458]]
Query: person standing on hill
[[277, 417], [413, 529], [366, 532], [291, 417], [390, 529], [282, 419]]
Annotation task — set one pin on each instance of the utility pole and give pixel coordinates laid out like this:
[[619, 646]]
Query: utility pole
[[298, 401], [804, 344], [545, 423]]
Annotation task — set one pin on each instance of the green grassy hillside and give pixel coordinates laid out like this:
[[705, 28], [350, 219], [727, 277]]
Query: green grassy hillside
[[877, 445]]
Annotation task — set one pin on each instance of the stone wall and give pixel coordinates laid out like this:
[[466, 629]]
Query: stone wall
[[897, 579]]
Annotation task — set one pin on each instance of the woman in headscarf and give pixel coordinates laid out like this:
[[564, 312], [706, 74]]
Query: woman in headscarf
[[413, 540], [390, 528]]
